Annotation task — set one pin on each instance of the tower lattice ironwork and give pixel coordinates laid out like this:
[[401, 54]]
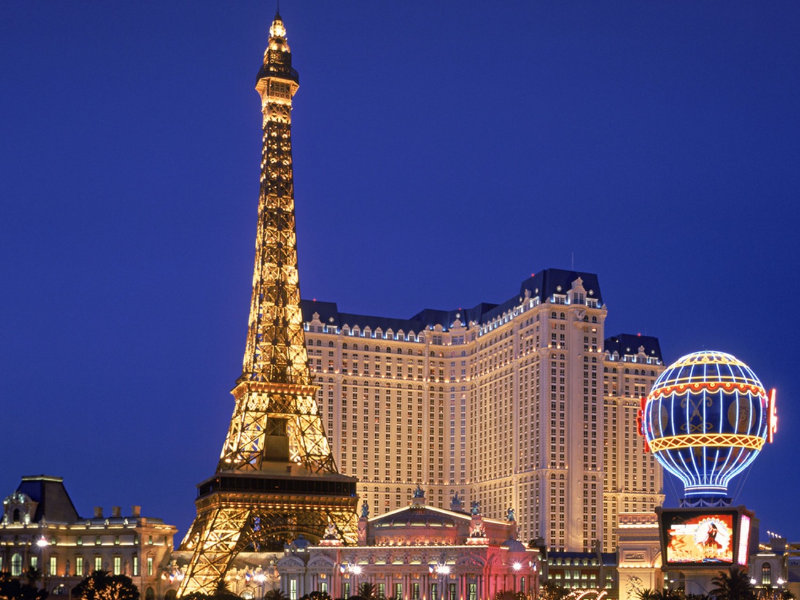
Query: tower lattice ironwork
[[276, 476]]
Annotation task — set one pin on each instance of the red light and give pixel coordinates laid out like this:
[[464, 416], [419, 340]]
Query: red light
[[772, 415], [640, 423]]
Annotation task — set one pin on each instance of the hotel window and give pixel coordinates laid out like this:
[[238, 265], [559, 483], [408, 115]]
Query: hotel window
[[135, 565], [117, 565], [53, 566], [98, 563], [34, 562], [150, 565], [473, 591], [293, 589]]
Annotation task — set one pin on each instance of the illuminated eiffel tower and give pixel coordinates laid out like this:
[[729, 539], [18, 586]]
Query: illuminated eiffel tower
[[276, 476]]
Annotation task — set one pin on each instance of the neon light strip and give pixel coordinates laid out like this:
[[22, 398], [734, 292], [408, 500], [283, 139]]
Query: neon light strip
[[677, 442], [712, 386]]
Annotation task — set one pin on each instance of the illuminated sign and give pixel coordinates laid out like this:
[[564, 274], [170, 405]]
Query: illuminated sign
[[744, 540], [699, 538]]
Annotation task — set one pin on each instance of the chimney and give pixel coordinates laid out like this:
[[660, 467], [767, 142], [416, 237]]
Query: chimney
[[98, 512], [136, 510], [116, 512]]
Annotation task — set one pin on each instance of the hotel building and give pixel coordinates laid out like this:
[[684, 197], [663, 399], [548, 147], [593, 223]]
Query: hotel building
[[522, 404]]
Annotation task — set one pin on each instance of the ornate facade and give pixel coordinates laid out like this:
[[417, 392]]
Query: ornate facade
[[419, 552], [40, 529]]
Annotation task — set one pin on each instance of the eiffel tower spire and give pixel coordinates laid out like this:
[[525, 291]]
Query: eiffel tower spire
[[276, 477], [274, 395]]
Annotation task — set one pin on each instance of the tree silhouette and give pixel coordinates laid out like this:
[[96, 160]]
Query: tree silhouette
[[550, 590], [509, 595], [668, 594], [12, 589], [33, 575], [275, 595], [733, 585], [368, 590], [101, 585]]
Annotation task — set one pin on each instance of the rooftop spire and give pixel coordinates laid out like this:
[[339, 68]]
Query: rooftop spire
[[277, 29]]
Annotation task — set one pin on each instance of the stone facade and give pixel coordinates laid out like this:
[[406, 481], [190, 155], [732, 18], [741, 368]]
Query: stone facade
[[41, 529]]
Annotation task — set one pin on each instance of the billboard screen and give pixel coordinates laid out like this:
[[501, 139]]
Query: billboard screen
[[705, 538]]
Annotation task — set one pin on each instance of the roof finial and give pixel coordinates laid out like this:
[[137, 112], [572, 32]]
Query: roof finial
[[277, 29]]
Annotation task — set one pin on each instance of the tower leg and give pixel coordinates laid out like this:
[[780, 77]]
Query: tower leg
[[218, 533]]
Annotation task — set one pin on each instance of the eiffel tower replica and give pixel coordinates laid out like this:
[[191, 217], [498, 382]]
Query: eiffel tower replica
[[276, 477]]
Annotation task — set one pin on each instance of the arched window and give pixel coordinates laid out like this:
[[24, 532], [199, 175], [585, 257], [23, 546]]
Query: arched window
[[766, 574], [172, 594], [16, 565], [149, 594], [16, 515]]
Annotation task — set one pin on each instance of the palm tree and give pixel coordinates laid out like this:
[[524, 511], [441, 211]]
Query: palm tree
[[734, 585], [647, 594], [222, 591], [668, 594], [275, 595]]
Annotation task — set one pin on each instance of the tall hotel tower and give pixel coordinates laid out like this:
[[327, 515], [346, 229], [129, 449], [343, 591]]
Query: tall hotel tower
[[522, 404]]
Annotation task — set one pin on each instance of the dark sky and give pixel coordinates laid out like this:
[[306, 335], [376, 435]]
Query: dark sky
[[444, 151]]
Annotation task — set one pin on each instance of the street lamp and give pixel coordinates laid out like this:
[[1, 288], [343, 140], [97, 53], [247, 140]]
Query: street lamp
[[442, 571], [42, 543]]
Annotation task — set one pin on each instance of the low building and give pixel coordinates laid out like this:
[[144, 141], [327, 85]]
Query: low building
[[419, 552], [40, 529], [592, 574]]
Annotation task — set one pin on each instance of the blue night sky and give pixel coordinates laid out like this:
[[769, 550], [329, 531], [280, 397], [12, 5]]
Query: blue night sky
[[444, 151]]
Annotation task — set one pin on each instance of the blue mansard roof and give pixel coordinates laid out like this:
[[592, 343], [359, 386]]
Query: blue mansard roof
[[543, 284], [629, 344]]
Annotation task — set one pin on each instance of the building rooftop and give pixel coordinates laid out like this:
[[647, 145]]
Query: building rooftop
[[53, 501], [543, 285], [629, 344]]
